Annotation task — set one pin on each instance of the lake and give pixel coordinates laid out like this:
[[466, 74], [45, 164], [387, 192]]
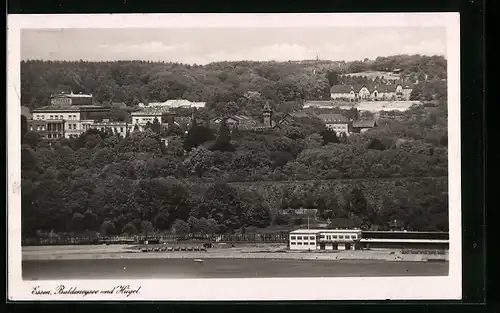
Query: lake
[[222, 268]]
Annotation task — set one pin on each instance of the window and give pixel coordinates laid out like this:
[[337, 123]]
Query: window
[[312, 237], [49, 136], [60, 117], [292, 237], [354, 236], [121, 129], [311, 243], [347, 237], [43, 127], [38, 127], [299, 243], [341, 236], [299, 237], [334, 236], [31, 128], [292, 243], [52, 117]]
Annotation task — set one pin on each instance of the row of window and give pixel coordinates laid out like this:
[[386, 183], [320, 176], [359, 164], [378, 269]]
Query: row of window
[[293, 243], [338, 237], [54, 127], [115, 129], [71, 126], [38, 128], [302, 237], [56, 117], [54, 136]]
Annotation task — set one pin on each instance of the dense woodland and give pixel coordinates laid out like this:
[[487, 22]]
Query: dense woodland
[[213, 180], [217, 83]]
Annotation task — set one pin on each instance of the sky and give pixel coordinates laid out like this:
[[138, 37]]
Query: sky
[[205, 45]]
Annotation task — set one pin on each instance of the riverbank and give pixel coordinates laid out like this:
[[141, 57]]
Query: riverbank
[[244, 252]]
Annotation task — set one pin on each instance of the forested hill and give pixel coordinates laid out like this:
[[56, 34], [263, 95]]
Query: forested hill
[[141, 81]]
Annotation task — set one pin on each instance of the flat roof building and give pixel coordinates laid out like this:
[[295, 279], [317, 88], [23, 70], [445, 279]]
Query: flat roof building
[[324, 239]]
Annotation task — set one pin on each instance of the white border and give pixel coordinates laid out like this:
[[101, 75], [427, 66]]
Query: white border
[[395, 288]]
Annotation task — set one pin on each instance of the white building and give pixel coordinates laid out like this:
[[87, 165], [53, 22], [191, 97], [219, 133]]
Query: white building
[[337, 122], [324, 239], [149, 114], [180, 103], [120, 128]]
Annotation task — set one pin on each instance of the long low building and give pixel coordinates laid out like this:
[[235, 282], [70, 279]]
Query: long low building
[[353, 239], [325, 239]]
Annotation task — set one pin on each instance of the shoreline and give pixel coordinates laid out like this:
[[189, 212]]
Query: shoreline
[[48, 253]]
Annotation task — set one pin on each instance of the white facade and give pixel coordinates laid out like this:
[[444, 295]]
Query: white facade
[[141, 119], [57, 115], [364, 93], [181, 103], [324, 239], [343, 95], [119, 128], [339, 127]]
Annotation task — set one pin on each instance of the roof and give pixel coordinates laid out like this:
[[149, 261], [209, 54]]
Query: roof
[[71, 95], [405, 240], [182, 120], [341, 89], [72, 108], [151, 110], [333, 118], [364, 123], [318, 103], [306, 231], [340, 230], [300, 114], [108, 123], [315, 231], [173, 104], [386, 88]]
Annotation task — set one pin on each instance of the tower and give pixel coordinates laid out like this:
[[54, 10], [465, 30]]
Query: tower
[[267, 113]]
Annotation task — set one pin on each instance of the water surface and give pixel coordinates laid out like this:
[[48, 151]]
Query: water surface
[[223, 268]]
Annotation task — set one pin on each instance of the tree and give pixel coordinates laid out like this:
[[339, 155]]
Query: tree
[[333, 77], [77, 222], [375, 144], [156, 126], [193, 225], [90, 220], [107, 228], [32, 139], [329, 136], [24, 125], [129, 229], [180, 228], [223, 141], [196, 136], [146, 228]]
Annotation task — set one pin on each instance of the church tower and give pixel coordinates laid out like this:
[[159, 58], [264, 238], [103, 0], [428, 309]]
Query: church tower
[[267, 113]]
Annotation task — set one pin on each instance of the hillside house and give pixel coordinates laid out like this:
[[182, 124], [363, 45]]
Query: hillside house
[[343, 92], [337, 122], [362, 126]]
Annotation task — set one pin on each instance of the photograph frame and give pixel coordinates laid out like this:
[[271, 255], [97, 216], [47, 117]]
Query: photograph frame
[[472, 233]]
